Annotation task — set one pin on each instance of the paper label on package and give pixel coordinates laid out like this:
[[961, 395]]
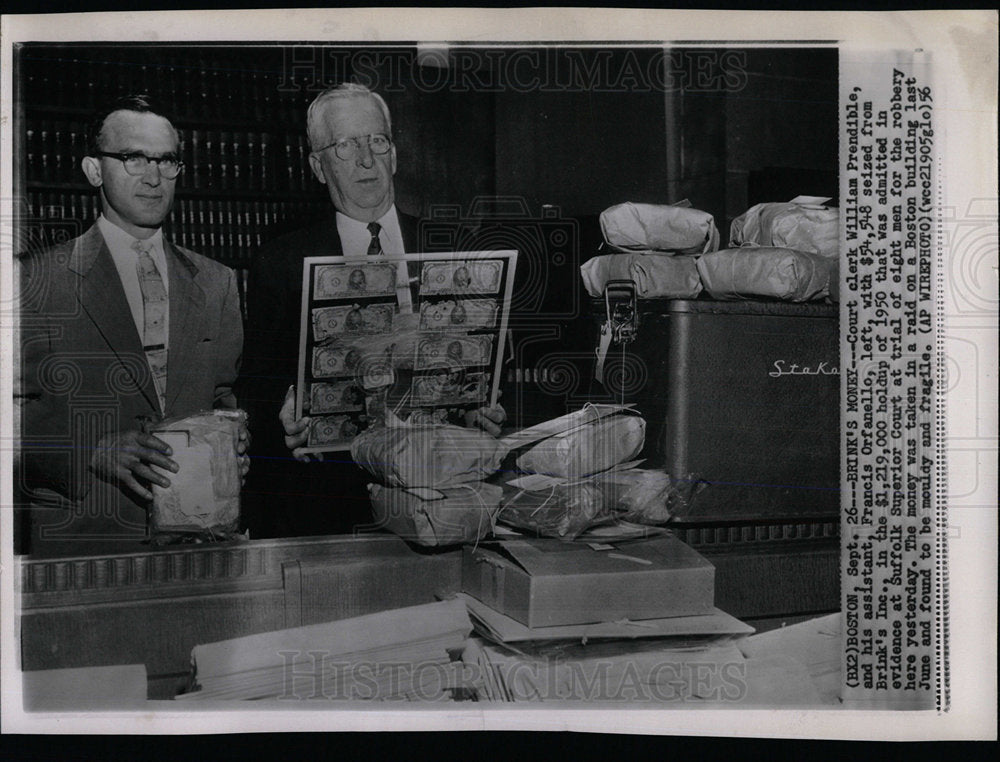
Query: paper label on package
[[190, 496]]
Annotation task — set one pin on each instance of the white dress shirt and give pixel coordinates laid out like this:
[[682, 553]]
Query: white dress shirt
[[355, 236], [120, 245]]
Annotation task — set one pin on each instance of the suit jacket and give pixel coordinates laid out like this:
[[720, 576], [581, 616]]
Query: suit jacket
[[84, 372], [283, 497]]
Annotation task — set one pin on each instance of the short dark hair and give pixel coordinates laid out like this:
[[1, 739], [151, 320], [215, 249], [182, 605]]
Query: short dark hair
[[139, 102]]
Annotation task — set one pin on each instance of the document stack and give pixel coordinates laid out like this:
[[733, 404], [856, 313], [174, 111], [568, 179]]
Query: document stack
[[398, 655]]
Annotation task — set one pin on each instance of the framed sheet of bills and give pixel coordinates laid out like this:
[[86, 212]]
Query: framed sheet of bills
[[417, 336]]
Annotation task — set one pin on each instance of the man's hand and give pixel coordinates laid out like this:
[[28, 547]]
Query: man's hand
[[242, 445], [296, 431], [125, 457], [489, 419]]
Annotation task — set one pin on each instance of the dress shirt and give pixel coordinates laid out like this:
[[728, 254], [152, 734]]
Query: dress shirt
[[355, 237]]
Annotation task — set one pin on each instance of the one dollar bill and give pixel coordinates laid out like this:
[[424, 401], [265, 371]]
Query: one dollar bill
[[340, 397], [461, 277], [458, 315], [451, 351], [351, 319], [344, 281], [451, 388]]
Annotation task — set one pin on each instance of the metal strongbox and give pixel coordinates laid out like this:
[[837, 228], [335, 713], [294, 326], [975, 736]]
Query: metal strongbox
[[742, 397]]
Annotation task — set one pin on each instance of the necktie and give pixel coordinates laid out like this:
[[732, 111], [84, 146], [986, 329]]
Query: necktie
[[375, 247], [155, 304]]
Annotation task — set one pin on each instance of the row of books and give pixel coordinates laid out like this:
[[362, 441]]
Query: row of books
[[255, 87], [215, 160], [225, 230]]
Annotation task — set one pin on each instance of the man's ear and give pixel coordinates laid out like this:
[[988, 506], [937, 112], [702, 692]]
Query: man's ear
[[91, 167], [392, 152], [317, 168]]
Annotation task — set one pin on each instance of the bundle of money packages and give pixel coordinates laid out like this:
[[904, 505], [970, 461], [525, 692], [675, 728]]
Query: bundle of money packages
[[581, 475], [431, 488]]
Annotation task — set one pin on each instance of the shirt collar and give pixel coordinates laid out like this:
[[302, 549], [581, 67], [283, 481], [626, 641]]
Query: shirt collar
[[119, 240], [389, 222]]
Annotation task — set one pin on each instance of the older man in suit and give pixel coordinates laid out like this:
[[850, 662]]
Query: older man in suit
[[118, 326], [353, 155]]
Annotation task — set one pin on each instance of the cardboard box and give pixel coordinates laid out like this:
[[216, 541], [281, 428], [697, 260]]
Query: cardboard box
[[542, 582]]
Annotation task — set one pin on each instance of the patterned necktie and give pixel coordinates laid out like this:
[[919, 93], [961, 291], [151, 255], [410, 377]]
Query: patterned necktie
[[375, 247], [155, 304]]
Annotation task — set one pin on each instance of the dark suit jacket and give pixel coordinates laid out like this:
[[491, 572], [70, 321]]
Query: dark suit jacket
[[283, 497], [84, 373]]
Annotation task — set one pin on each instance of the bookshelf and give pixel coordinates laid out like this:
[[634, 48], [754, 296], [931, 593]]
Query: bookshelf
[[241, 124]]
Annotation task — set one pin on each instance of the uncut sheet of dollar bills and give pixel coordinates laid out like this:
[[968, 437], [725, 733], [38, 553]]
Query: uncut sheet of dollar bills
[[416, 338]]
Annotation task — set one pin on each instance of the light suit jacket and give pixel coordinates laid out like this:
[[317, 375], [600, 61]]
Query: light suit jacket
[[84, 373]]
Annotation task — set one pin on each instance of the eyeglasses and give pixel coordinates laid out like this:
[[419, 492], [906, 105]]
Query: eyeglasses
[[348, 148], [137, 163]]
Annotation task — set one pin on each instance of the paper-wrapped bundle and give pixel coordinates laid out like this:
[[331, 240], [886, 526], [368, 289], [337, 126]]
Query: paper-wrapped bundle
[[800, 226], [654, 275], [464, 513], [203, 499], [676, 228], [587, 449], [435, 456], [752, 272], [643, 496], [562, 510]]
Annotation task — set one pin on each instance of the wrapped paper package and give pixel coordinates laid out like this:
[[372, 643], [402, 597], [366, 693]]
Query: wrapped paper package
[[798, 225], [675, 228], [584, 450], [435, 456], [640, 495], [751, 272], [450, 517], [562, 510], [203, 498], [655, 275], [646, 496]]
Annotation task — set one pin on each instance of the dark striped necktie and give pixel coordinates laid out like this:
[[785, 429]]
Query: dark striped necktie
[[375, 247]]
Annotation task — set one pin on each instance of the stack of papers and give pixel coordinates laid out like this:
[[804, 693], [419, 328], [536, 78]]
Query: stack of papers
[[633, 673], [393, 655]]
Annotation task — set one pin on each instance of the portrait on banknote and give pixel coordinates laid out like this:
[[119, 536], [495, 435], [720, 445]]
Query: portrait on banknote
[[416, 338]]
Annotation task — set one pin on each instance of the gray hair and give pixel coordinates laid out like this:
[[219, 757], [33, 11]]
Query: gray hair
[[343, 90]]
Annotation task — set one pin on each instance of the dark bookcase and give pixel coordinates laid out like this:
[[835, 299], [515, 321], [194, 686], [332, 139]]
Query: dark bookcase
[[241, 123]]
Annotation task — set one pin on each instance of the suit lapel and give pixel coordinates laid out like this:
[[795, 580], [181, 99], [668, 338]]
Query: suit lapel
[[408, 227], [187, 309], [102, 299]]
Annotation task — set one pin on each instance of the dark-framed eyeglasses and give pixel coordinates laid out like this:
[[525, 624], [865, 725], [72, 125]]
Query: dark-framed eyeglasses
[[348, 148], [137, 163]]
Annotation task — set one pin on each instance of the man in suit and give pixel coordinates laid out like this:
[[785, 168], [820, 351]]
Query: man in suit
[[118, 326], [350, 134]]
